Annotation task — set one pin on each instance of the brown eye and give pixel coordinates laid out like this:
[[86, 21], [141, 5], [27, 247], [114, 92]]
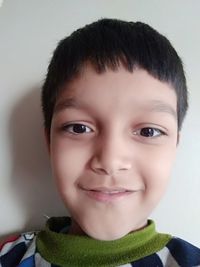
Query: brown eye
[[150, 132], [78, 128]]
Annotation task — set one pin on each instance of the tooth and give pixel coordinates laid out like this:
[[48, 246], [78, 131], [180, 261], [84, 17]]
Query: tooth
[[113, 192]]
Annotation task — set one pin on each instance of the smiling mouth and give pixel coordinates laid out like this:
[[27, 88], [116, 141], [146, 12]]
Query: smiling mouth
[[107, 194]]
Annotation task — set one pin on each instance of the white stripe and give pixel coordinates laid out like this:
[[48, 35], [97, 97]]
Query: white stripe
[[40, 262], [30, 251], [10, 244], [166, 258], [28, 236]]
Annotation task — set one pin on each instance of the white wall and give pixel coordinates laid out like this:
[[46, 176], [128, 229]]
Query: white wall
[[29, 32]]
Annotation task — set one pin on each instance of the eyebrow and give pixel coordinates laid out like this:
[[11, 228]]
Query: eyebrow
[[160, 106], [153, 106], [68, 103]]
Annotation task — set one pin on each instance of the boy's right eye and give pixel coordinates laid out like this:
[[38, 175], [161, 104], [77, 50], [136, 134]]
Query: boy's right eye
[[76, 128]]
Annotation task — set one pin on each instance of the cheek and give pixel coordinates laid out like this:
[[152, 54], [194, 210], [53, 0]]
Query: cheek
[[157, 169], [67, 161]]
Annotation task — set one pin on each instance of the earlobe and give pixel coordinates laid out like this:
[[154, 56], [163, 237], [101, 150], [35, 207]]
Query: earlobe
[[47, 139]]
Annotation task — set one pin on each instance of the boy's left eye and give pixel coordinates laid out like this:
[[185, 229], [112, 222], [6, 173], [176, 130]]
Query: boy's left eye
[[150, 132]]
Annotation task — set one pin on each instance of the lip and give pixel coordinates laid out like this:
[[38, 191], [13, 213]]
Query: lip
[[105, 194]]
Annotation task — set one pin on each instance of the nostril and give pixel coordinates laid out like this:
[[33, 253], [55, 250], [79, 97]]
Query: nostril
[[101, 171], [123, 169], [108, 172], [110, 166]]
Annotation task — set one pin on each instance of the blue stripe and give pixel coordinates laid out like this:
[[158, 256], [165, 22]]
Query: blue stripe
[[183, 252], [150, 261], [14, 256], [28, 262]]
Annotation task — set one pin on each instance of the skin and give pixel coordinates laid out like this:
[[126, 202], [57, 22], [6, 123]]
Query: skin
[[112, 171]]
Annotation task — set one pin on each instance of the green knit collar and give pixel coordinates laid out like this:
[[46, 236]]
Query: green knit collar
[[73, 250]]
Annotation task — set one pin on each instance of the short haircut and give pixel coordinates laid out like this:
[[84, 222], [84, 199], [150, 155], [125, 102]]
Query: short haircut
[[107, 43]]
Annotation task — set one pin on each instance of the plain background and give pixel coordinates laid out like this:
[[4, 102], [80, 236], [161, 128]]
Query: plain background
[[29, 32]]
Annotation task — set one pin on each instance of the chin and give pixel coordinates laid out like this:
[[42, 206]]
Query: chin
[[106, 235], [108, 229]]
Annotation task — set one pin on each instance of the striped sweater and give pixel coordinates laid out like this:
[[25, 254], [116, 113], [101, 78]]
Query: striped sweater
[[52, 247]]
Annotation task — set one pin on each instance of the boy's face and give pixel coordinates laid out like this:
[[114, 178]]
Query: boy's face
[[113, 143]]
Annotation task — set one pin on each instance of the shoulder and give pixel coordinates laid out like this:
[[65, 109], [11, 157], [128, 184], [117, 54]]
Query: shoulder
[[16, 248], [183, 252]]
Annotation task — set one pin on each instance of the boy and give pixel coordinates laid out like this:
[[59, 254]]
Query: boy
[[114, 100]]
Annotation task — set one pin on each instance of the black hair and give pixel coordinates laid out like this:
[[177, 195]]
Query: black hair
[[107, 43]]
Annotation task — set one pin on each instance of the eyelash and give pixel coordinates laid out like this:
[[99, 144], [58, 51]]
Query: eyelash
[[159, 132]]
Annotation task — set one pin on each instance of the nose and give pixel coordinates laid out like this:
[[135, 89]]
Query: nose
[[111, 155]]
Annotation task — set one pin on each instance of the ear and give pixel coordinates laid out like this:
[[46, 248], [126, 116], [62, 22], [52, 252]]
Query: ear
[[47, 139], [178, 138]]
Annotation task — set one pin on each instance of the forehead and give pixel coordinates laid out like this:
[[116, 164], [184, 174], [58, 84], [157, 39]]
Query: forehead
[[117, 91]]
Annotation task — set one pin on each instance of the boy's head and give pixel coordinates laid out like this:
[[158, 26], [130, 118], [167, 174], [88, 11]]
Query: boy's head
[[114, 101], [105, 44]]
